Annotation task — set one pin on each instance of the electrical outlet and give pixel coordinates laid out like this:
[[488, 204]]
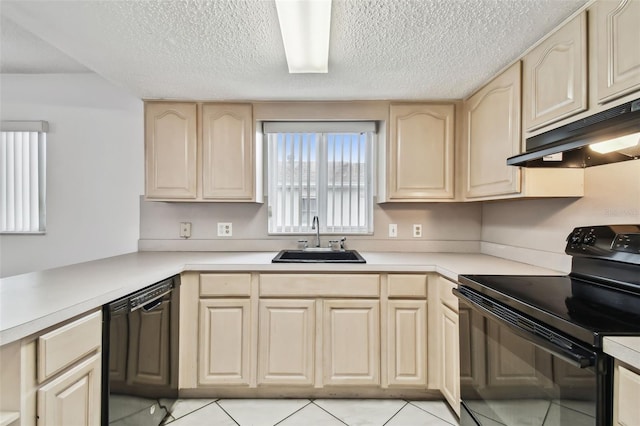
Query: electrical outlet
[[225, 229], [417, 231], [185, 229], [393, 230]]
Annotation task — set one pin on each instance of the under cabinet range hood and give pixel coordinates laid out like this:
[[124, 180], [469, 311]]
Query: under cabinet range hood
[[606, 137]]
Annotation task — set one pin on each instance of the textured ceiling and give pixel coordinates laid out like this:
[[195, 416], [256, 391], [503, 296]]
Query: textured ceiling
[[231, 49]]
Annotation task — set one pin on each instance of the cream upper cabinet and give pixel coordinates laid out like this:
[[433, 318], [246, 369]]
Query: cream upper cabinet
[[420, 153], [200, 152], [351, 342], [227, 152], [224, 342], [407, 342], [286, 342], [626, 388], [492, 135], [618, 48], [555, 76], [171, 150]]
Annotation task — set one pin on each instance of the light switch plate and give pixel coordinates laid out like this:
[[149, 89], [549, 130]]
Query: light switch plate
[[225, 229], [393, 230]]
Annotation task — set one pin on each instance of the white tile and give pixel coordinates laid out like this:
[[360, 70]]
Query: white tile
[[182, 407], [261, 412], [362, 412], [437, 408], [560, 416], [311, 415], [411, 415], [512, 412], [208, 415]]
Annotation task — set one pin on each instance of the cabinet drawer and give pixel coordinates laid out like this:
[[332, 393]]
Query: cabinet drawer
[[319, 285], [407, 286], [216, 285], [66, 345]]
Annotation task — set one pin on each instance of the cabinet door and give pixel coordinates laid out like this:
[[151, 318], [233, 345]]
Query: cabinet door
[[555, 76], [626, 388], [225, 335], [351, 342], [73, 398], [149, 345], [286, 346], [450, 355], [420, 163], [493, 135], [170, 150], [618, 48], [227, 152], [407, 342]]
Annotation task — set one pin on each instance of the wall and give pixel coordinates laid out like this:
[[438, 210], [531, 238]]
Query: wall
[[94, 169], [534, 231], [453, 227]]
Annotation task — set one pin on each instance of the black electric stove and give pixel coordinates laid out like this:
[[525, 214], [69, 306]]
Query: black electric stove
[[531, 346], [601, 295]]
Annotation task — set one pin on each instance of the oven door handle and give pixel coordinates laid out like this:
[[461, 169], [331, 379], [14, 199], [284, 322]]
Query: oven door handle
[[580, 360]]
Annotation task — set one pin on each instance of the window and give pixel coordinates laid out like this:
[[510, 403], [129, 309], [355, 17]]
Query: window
[[320, 169], [22, 177]]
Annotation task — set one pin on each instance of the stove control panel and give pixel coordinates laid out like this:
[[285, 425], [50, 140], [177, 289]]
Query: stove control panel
[[613, 242], [628, 243]]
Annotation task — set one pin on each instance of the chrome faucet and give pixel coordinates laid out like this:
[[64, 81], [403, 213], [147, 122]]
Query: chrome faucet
[[316, 225]]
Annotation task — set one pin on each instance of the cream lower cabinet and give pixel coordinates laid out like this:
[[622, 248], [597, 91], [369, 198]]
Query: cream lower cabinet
[[287, 342], [626, 391], [407, 343], [448, 334], [284, 333], [225, 329], [73, 398], [54, 378], [351, 342]]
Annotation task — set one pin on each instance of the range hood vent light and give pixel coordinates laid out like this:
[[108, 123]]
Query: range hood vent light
[[566, 146]]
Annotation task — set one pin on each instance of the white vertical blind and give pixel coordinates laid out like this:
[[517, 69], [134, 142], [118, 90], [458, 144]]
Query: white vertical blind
[[22, 187], [326, 174]]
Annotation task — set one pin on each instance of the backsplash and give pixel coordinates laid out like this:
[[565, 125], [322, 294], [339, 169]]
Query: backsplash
[[534, 231], [450, 227]]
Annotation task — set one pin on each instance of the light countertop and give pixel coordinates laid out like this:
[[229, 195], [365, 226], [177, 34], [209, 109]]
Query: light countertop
[[624, 348], [32, 302]]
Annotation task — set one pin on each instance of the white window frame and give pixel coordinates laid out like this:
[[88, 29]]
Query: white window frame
[[322, 130], [23, 177]]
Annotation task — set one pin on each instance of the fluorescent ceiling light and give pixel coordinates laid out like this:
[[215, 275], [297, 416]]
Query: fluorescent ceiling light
[[304, 25], [616, 144]]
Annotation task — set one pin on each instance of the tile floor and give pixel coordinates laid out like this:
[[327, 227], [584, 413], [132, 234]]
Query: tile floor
[[292, 412]]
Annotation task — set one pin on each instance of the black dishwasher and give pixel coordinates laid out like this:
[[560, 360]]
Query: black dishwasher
[[140, 355]]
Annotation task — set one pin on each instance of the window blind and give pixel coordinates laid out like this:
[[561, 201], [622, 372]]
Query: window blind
[[22, 173], [324, 174]]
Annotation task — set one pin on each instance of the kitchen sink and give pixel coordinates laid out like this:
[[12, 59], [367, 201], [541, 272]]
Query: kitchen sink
[[318, 256]]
